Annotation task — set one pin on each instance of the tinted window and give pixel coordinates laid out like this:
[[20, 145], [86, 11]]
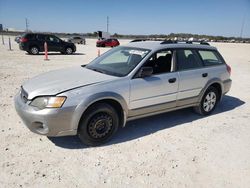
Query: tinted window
[[53, 39], [41, 37], [29, 36], [209, 57], [187, 59]]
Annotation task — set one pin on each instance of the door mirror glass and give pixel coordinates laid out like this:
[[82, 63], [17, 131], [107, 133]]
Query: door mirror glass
[[145, 72]]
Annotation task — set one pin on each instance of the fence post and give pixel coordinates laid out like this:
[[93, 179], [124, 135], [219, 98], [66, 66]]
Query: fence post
[[2, 39], [9, 44]]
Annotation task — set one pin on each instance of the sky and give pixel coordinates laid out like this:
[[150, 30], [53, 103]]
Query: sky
[[211, 17]]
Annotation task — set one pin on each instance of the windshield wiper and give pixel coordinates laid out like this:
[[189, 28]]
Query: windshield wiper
[[104, 72], [94, 69]]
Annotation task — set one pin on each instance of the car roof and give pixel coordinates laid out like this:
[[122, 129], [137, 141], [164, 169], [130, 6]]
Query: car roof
[[157, 45]]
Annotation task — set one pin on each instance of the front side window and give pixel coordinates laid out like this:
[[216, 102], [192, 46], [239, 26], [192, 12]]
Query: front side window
[[161, 62], [119, 61], [53, 39], [187, 59], [209, 57]]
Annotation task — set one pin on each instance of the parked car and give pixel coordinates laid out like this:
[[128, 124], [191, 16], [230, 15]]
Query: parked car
[[107, 42], [128, 82], [139, 40], [17, 38], [77, 40], [33, 43]]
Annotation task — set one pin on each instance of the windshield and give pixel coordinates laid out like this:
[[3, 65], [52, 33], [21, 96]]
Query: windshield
[[119, 61]]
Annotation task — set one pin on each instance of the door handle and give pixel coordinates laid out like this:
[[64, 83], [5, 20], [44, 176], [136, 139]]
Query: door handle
[[172, 80], [204, 75]]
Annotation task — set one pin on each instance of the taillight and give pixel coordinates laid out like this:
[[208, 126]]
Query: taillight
[[228, 69], [23, 40]]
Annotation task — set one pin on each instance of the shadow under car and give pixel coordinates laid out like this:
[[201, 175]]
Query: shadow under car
[[145, 126]]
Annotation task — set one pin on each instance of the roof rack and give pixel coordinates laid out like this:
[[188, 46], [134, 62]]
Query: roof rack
[[187, 42], [145, 39]]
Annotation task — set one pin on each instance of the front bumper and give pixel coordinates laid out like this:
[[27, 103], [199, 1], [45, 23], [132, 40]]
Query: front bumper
[[49, 121]]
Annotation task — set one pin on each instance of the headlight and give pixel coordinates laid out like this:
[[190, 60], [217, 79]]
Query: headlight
[[48, 102]]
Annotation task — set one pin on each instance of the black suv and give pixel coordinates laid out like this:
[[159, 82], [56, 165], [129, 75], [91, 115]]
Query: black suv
[[33, 43]]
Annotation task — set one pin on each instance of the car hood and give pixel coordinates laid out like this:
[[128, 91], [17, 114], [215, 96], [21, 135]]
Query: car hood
[[58, 81]]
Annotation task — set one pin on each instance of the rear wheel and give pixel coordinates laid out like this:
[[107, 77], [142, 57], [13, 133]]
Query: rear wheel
[[34, 50], [98, 125], [208, 102]]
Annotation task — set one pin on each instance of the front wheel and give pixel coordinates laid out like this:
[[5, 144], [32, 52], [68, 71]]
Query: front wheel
[[98, 124], [68, 50], [208, 101]]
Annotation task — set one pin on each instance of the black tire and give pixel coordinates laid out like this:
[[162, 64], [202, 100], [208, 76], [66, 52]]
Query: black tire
[[103, 45], [34, 50], [208, 102], [68, 50], [98, 124]]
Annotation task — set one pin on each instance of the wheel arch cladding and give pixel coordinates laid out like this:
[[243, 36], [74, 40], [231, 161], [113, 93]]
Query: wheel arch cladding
[[217, 83], [113, 99]]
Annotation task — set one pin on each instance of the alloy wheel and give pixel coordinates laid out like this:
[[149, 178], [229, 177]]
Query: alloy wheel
[[209, 101]]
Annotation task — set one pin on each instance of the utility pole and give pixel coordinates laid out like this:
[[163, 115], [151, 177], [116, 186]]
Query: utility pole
[[26, 24], [242, 26], [107, 24]]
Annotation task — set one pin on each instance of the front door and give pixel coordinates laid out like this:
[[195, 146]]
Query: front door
[[158, 91], [53, 43]]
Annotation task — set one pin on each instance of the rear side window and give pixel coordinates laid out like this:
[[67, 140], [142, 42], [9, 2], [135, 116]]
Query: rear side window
[[209, 57], [41, 37], [187, 59]]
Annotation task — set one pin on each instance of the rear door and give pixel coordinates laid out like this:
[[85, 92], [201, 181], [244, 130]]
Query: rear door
[[41, 40], [193, 77], [108, 42]]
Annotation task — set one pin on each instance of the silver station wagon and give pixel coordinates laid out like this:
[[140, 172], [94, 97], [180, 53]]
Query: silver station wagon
[[128, 82]]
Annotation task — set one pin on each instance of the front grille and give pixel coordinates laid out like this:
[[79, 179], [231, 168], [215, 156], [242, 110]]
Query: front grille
[[24, 95]]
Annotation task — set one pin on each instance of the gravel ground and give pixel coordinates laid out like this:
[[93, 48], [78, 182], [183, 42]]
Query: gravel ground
[[176, 149]]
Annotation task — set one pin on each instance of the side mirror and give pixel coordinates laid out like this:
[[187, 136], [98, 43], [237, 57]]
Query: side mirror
[[145, 72]]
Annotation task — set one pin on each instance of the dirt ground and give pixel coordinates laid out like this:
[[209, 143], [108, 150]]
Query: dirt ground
[[176, 149]]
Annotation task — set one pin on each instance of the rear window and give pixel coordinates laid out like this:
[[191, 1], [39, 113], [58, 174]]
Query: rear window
[[29, 36], [209, 57]]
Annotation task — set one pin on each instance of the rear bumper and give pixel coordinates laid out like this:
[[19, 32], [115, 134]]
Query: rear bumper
[[49, 122], [227, 85], [23, 46]]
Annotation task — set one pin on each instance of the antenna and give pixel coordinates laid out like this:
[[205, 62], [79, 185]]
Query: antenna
[[107, 24], [26, 24]]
